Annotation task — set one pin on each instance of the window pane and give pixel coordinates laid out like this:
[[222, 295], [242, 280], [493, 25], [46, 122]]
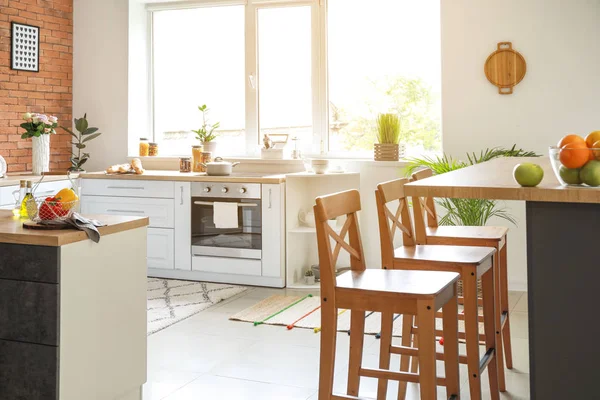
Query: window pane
[[285, 78], [384, 56], [199, 59]]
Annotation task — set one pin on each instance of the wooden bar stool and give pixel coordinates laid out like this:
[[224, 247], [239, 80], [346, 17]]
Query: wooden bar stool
[[419, 293], [487, 236], [471, 262]]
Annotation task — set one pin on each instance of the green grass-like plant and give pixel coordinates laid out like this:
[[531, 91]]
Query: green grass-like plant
[[388, 128], [468, 212]]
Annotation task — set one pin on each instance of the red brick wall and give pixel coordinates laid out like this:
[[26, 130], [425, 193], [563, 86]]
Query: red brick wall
[[48, 91]]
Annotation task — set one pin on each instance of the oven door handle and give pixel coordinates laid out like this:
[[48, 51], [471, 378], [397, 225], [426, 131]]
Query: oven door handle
[[210, 203]]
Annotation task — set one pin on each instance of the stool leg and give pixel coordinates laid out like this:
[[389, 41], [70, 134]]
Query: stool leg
[[450, 319], [489, 322], [385, 342], [328, 339], [407, 323], [472, 331], [427, 352], [357, 337], [504, 302], [414, 362], [498, 323]]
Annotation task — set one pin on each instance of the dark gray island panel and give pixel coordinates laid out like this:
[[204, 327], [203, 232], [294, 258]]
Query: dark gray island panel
[[563, 251], [29, 263], [29, 312], [28, 371]]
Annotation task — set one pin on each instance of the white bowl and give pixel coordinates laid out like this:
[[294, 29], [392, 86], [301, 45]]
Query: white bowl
[[320, 166]]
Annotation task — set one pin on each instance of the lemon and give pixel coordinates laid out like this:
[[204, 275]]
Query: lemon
[[68, 197]]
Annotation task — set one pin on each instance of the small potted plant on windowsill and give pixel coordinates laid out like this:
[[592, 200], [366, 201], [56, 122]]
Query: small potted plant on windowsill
[[206, 134], [388, 136]]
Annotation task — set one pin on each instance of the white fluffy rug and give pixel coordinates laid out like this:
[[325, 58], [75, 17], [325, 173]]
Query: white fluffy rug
[[171, 301]]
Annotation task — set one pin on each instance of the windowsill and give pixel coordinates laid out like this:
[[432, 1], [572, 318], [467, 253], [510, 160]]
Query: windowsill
[[258, 160]]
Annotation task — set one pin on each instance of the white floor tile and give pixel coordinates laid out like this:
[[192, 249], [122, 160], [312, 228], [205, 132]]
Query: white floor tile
[[210, 387]]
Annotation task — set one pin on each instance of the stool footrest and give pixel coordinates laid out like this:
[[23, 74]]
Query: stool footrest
[[486, 359], [395, 376]]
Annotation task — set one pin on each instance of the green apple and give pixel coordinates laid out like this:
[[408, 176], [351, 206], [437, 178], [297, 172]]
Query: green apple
[[590, 173], [528, 174], [570, 175]]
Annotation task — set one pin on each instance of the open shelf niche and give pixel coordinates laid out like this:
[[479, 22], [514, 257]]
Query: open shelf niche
[[301, 240]]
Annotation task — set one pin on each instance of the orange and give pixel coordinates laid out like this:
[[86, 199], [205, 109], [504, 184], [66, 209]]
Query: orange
[[570, 139], [596, 150], [592, 139], [574, 155]]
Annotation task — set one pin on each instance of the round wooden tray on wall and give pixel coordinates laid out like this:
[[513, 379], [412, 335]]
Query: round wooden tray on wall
[[505, 68]]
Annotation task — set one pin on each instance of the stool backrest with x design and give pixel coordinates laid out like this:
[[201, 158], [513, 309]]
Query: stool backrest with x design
[[391, 222], [329, 207], [424, 209]]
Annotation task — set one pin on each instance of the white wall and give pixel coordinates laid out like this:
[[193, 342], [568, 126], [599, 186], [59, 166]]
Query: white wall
[[559, 95], [100, 62]]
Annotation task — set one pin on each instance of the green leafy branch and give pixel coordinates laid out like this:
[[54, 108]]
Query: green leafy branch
[[84, 135]]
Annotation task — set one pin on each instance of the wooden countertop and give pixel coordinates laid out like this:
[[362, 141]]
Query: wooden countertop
[[190, 177], [12, 231], [494, 180], [13, 180]]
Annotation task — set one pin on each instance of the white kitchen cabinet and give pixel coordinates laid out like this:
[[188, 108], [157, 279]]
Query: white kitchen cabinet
[[160, 211], [183, 226], [161, 248], [128, 188], [273, 231], [7, 207]]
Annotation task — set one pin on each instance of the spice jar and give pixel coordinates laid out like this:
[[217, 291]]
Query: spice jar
[[185, 164], [197, 158], [144, 147], [152, 149], [206, 157]]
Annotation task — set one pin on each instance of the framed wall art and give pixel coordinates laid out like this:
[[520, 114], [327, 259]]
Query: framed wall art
[[25, 50]]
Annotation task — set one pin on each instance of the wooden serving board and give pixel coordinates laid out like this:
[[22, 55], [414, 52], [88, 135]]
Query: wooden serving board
[[41, 227], [505, 68]]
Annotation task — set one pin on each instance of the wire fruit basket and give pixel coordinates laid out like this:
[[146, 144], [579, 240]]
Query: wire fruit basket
[[50, 209]]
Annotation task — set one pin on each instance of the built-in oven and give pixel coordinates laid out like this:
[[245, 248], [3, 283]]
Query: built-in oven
[[243, 241]]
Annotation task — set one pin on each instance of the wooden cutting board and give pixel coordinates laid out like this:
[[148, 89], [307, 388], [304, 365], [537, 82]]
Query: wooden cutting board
[[33, 225], [505, 68]]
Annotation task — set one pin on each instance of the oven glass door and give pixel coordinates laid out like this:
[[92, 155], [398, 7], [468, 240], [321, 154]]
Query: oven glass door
[[242, 242]]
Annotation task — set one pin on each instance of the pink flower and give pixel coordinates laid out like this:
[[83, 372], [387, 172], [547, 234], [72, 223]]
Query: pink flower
[[53, 119]]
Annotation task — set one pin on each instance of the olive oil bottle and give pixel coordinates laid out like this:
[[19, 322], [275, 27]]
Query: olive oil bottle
[[28, 196]]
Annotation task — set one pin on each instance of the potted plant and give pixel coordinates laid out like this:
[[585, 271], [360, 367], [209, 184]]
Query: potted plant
[[84, 135], [309, 277], [206, 134], [388, 136], [467, 212], [39, 127]]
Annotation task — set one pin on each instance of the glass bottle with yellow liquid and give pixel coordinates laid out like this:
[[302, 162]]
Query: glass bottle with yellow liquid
[[28, 196], [19, 195]]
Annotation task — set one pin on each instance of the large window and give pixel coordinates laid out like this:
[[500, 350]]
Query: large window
[[316, 70]]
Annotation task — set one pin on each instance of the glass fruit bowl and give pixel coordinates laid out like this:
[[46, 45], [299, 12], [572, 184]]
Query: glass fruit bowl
[[576, 166]]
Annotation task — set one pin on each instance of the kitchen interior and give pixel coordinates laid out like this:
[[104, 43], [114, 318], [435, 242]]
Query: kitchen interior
[[195, 150]]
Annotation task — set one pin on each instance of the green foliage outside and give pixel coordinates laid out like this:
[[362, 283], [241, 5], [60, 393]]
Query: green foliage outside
[[410, 98]]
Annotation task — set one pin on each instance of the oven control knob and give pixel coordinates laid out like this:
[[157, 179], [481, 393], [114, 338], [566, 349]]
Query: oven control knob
[[224, 190], [243, 190], [207, 190]]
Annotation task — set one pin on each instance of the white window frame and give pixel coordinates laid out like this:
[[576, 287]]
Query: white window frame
[[319, 62]]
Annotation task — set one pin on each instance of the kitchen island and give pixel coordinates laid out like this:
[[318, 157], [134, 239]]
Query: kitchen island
[[73, 312], [563, 270]]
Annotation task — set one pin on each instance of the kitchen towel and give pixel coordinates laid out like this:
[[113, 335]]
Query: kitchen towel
[[225, 215], [89, 226]]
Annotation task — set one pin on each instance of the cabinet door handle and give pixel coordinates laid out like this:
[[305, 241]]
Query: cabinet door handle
[[126, 187], [270, 199], [127, 211], [181, 201]]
